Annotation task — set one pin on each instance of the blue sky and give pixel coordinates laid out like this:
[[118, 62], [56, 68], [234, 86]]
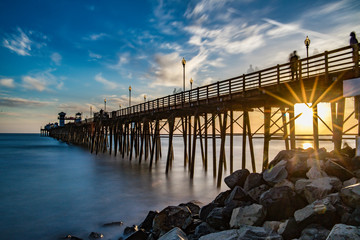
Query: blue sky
[[70, 55]]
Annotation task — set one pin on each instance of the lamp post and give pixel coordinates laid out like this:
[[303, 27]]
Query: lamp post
[[129, 96], [90, 111], [105, 104], [183, 63], [307, 44], [144, 98], [191, 82]]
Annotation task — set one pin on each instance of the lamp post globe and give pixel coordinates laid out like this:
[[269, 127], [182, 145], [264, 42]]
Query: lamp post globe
[[191, 82], [129, 96], [307, 44]]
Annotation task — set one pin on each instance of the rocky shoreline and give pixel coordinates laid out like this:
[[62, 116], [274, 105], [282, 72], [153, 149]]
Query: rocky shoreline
[[304, 195]]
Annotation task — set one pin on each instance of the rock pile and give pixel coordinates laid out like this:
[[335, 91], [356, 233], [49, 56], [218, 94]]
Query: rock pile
[[304, 195]]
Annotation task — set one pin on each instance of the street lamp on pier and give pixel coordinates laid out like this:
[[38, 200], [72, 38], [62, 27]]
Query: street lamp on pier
[[191, 82], [144, 98], [183, 63], [129, 96], [307, 44], [105, 104]]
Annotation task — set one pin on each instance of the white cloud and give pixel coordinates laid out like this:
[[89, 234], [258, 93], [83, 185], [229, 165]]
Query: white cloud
[[21, 102], [7, 82], [94, 55], [41, 81], [56, 58], [19, 43], [107, 84], [34, 83], [122, 60], [95, 36]]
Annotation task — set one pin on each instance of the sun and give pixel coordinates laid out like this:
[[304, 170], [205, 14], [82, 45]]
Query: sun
[[304, 123]]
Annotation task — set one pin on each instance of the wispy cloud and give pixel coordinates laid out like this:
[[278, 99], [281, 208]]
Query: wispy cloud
[[122, 60], [107, 84], [21, 102], [94, 56], [95, 36], [41, 81], [56, 58], [7, 82], [19, 43]]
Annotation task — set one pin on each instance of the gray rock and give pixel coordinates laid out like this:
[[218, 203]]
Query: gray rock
[[282, 155], [315, 172], [334, 169], [203, 229], [193, 207], [354, 218], [253, 180], [245, 232], [237, 178], [95, 235], [237, 194], [217, 219], [253, 215], [314, 232], [256, 192], [148, 221], [276, 174], [301, 184], [351, 195], [205, 210], [344, 232], [221, 197], [271, 225], [351, 181], [138, 235], [289, 229], [285, 182], [321, 211], [281, 203], [313, 162], [321, 187], [297, 166], [174, 234], [170, 217]]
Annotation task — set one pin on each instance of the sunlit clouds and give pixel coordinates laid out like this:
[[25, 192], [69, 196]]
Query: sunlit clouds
[[7, 82]]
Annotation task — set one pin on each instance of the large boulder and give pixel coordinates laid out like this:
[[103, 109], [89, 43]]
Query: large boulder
[[221, 197], [174, 234], [289, 229], [297, 167], [256, 192], [138, 235], [237, 178], [205, 210], [253, 215], [245, 232], [193, 207], [314, 232], [217, 219], [315, 172], [321, 187], [280, 202], [321, 211], [285, 182], [351, 195], [253, 180], [237, 194], [282, 155], [344, 232], [148, 221], [170, 217], [334, 169], [300, 185], [276, 174], [203, 229]]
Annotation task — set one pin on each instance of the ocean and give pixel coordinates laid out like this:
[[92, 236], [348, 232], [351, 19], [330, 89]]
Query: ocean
[[50, 189]]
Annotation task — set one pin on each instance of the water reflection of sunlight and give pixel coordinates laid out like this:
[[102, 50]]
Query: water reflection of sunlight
[[307, 145]]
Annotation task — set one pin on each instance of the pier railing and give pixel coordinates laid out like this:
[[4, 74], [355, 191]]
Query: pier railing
[[340, 59]]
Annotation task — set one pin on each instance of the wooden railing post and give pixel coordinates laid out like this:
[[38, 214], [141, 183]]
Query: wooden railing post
[[356, 59], [259, 79], [198, 97], [207, 93], [230, 88], [218, 89], [244, 83], [326, 66], [278, 73]]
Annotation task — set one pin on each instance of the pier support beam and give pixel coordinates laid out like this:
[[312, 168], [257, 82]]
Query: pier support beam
[[267, 116], [315, 127]]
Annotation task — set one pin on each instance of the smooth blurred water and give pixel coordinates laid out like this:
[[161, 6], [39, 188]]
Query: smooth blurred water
[[49, 189]]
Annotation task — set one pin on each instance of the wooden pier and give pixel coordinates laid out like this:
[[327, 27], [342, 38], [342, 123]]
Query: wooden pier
[[217, 110]]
